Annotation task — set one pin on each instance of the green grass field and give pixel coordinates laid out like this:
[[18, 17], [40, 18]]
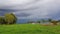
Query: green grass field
[[29, 29]]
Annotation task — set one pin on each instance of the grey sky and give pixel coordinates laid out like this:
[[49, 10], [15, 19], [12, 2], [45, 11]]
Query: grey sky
[[28, 9]]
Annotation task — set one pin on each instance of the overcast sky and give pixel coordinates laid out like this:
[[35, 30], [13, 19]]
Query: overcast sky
[[31, 9]]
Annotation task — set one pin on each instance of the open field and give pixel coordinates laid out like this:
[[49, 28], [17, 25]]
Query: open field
[[29, 29]]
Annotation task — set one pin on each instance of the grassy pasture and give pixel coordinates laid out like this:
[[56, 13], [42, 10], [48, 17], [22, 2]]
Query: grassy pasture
[[29, 29]]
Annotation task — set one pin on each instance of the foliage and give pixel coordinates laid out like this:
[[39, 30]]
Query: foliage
[[15, 18], [54, 22], [2, 21], [49, 20], [38, 21], [30, 22], [43, 20], [8, 19], [58, 20]]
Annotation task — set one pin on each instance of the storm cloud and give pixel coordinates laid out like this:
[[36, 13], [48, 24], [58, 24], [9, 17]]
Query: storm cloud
[[30, 9]]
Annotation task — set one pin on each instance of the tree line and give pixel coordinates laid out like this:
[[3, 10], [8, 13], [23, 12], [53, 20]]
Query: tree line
[[54, 22], [8, 18]]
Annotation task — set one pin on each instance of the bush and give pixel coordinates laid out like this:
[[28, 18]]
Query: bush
[[54, 22]]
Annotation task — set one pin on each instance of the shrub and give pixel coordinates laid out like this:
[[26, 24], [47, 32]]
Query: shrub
[[54, 22]]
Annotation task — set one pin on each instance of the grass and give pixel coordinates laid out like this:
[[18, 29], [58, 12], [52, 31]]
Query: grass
[[29, 29]]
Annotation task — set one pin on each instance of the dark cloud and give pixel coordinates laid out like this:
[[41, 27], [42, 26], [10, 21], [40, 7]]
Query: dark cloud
[[7, 10], [31, 8], [23, 15]]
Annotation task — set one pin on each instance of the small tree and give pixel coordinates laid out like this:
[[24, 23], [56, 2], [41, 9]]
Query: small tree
[[49, 20], [58, 20], [43, 20], [30, 21], [38, 21]]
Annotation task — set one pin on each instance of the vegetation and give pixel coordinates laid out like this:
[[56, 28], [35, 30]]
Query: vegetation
[[2, 21], [54, 22], [15, 18], [30, 22], [43, 20], [39, 22], [49, 20], [29, 29], [8, 19]]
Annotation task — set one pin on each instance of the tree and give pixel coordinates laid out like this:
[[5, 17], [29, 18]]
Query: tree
[[2, 21], [30, 22], [58, 20], [43, 20], [9, 18], [49, 20], [15, 18], [38, 21]]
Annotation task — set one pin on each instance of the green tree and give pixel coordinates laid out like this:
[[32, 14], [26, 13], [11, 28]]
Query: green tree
[[15, 18], [59, 21], [38, 21], [9, 18], [30, 22], [2, 21], [49, 20], [43, 20]]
